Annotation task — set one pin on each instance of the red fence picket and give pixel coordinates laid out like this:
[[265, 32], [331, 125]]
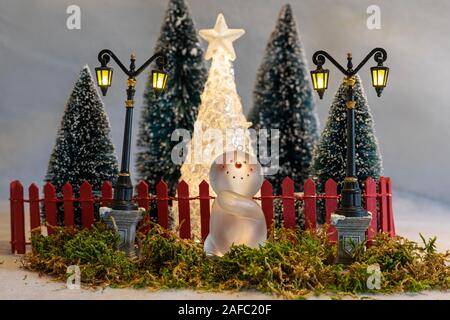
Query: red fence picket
[[267, 202], [205, 210], [310, 204], [390, 209], [12, 214], [371, 206], [18, 217], [107, 194], [35, 215], [183, 210], [331, 205], [68, 205], [162, 203], [50, 207], [384, 224], [287, 187], [87, 205], [143, 198]]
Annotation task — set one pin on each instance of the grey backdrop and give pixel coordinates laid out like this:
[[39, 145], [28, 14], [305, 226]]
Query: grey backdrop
[[40, 59]]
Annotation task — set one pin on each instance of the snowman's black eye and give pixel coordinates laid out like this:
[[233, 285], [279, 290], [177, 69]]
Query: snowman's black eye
[[227, 172], [242, 178], [234, 177]]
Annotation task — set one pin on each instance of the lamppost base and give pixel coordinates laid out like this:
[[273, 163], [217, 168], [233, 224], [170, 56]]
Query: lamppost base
[[351, 199], [351, 232], [123, 193], [352, 212], [124, 222], [123, 205]]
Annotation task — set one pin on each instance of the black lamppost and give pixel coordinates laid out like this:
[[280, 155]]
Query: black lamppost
[[123, 190], [350, 205]]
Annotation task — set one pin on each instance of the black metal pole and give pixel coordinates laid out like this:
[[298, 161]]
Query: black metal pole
[[123, 191], [350, 205], [351, 165]]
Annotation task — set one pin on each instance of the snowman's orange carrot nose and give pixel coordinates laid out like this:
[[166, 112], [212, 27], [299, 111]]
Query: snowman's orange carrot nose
[[238, 165]]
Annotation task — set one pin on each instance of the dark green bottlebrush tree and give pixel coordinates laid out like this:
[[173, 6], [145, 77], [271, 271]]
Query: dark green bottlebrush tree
[[178, 106], [330, 154], [283, 100], [83, 148]]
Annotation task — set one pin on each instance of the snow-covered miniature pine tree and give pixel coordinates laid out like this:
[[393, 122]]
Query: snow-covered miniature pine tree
[[283, 100], [330, 158], [177, 108], [220, 109], [83, 148]]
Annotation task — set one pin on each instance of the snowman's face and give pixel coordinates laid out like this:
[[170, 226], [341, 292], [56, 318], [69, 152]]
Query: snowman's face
[[236, 171]]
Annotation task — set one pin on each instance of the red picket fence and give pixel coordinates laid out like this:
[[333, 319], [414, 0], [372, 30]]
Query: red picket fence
[[378, 203]]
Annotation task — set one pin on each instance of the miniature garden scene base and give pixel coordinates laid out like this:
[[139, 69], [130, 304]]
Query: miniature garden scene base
[[19, 283]]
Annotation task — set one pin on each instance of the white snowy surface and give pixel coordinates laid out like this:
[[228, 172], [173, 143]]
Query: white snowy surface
[[412, 215]]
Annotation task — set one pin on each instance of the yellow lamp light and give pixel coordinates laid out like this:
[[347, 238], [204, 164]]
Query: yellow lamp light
[[104, 78], [320, 80], [159, 81], [379, 78]]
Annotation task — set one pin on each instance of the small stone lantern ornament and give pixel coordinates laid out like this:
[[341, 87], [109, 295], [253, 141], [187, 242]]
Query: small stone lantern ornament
[[351, 219], [124, 214]]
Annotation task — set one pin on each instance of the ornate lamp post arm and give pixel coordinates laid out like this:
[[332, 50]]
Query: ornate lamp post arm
[[319, 58], [380, 56], [123, 191], [105, 56]]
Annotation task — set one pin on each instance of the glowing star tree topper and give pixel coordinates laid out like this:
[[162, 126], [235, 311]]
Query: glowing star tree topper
[[221, 37]]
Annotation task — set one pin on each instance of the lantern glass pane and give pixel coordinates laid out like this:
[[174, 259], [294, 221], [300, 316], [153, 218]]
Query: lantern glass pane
[[381, 76], [105, 78], [160, 83], [99, 76], [155, 79], [320, 80], [375, 77], [386, 77], [315, 81], [166, 76]]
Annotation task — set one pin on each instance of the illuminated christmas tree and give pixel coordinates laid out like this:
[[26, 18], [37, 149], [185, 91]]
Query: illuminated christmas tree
[[220, 109]]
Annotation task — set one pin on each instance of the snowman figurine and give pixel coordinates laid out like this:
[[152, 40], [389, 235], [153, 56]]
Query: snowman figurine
[[236, 218]]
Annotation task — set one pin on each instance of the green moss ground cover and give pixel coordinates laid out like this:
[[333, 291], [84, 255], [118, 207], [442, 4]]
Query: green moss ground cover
[[291, 264]]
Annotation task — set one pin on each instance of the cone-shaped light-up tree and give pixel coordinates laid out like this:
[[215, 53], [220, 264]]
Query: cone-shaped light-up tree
[[178, 107], [221, 125], [83, 148], [330, 154], [283, 100]]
